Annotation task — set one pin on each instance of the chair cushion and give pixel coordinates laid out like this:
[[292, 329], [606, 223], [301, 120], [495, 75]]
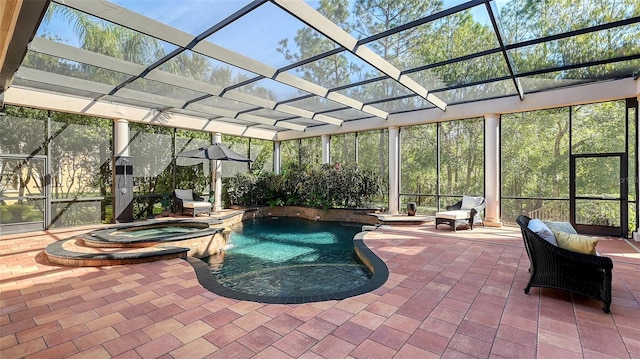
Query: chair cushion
[[195, 204], [458, 214], [576, 242], [560, 227], [184, 194], [541, 229], [469, 202]]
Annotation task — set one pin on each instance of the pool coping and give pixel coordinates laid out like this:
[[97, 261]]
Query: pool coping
[[379, 270]]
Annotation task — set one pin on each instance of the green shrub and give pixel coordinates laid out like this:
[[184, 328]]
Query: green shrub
[[17, 213], [325, 186]]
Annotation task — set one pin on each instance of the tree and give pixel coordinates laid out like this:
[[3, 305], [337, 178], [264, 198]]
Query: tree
[[331, 71]]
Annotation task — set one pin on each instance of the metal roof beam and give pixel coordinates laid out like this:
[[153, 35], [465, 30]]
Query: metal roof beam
[[507, 58]]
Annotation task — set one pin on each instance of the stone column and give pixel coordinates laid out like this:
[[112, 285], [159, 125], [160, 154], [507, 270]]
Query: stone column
[[122, 174], [492, 170], [216, 178], [394, 170], [326, 149], [277, 158]]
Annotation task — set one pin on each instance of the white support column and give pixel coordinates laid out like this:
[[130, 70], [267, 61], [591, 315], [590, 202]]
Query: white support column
[[636, 234], [394, 168], [326, 149], [492, 170], [121, 138], [216, 178], [277, 158]]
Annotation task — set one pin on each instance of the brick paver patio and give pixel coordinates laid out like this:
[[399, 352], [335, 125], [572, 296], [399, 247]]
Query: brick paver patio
[[449, 295]]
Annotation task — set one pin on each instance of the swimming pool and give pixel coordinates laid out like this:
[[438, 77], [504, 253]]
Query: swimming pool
[[287, 260]]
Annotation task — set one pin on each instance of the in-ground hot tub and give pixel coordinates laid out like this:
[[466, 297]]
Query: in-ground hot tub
[[202, 238]]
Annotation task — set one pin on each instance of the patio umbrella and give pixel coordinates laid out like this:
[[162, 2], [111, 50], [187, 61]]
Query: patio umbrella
[[214, 152]]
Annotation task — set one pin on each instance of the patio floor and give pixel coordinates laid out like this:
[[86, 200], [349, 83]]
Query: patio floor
[[450, 295]]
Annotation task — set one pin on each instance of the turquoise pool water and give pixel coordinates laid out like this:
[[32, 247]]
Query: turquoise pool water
[[153, 231], [290, 257]]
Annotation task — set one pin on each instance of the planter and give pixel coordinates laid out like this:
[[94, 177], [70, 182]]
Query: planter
[[411, 209]]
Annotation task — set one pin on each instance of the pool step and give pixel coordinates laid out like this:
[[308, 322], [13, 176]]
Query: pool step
[[74, 252]]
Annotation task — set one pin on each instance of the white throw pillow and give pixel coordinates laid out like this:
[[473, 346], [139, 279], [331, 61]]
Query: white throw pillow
[[469, 202], [184, 194], [541, 229]]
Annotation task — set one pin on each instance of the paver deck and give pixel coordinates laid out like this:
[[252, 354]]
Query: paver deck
[[449, 295]]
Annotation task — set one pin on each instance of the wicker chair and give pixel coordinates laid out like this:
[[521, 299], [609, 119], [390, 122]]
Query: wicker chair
[[554, 267], [185, 201]]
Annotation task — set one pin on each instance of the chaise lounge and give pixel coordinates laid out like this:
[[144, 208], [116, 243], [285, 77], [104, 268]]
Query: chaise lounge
[[466, 211], [555, 267], [185, 201]]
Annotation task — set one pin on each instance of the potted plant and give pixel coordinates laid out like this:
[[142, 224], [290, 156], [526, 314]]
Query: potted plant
[[166, 204]]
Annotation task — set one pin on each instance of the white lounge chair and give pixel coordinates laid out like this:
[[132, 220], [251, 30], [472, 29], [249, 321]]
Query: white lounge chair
[[466, 211], [187, 201]]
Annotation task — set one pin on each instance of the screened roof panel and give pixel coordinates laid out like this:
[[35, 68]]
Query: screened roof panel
[[224, 103], [316, 104], [186, 111], [589, 47], [272, 114], [577, 76], [479, 92], [267, 34], [266, 127], [537, 83], [195, 66], [305, 122], [66, 67], [271, 90], [238, 121], [180, 15], [26, 83], [524, 20], [404, 104], [463, 72], [163, 89], [376, 91], [371, 20], [336, 70], [82, 30], [348, 114], [134, 102], [449, 37]]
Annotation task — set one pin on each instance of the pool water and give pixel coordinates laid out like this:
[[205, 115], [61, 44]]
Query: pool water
[[154, 231], [290, 257]]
